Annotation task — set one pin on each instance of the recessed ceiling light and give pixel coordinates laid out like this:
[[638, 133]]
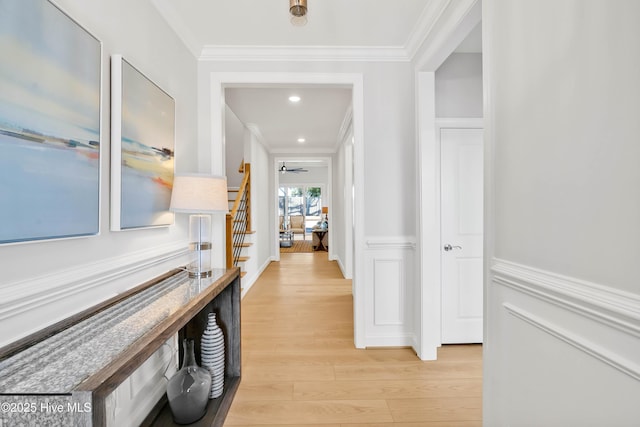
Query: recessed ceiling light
[[294, 98], [301, 140]]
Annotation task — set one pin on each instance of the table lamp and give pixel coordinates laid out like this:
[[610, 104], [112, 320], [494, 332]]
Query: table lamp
[[199, 195], [325, 214]]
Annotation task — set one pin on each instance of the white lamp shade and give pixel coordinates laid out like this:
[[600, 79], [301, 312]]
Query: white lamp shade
[[198, 193]]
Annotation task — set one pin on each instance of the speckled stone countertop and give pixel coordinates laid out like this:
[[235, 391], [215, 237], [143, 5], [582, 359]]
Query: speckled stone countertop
[[61, 362]]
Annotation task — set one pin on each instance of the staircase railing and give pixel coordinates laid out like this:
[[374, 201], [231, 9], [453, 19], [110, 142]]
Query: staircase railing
[[239, 219]]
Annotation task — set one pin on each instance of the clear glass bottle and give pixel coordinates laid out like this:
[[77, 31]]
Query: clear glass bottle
[[188, 389]]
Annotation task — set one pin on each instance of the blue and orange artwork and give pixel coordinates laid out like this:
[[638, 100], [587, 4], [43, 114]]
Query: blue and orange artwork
[[147, 151], [50, 77]]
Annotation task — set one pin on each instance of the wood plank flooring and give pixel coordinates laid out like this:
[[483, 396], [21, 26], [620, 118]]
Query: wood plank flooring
[[300, 367]]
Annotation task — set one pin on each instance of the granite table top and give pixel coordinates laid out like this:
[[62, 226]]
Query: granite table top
[[60, 363]]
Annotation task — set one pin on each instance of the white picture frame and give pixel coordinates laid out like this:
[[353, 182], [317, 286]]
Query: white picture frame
[[142, 149]]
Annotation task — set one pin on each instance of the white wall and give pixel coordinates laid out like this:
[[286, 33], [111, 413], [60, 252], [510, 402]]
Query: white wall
[[337, 217], [388, 188], [43, 282], [341, 214], [261, 170], [234, 133], [459, 86], [315, 175], [389, 132], [260, 251], [562, 297]]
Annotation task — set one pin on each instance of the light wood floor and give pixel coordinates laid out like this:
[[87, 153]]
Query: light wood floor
[[300, 367]]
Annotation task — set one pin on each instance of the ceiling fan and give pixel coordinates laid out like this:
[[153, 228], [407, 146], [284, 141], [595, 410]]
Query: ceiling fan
[[285, 169]]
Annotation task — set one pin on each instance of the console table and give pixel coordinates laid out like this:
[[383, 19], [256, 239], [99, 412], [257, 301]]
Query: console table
[[63, 374]]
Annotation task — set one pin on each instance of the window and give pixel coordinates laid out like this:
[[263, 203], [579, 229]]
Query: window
[[301, 200]]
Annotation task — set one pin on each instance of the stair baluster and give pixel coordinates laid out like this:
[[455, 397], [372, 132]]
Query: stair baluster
[[239, 221]]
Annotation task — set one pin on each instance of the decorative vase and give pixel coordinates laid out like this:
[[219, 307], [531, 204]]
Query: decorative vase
[[188, 389], [212, 355]]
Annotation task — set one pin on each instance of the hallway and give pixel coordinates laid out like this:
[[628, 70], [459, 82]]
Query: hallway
[[300, 367]]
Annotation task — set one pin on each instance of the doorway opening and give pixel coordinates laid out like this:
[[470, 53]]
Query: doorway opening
[[299, 214], [265, 170]]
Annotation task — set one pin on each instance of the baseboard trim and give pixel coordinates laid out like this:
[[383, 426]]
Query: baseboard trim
[[621, 364], [248, 284], [400, 340], [609, 306], [342, 268]]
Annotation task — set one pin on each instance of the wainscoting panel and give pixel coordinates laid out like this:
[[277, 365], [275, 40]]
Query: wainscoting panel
[[389, 289], [570, 345]]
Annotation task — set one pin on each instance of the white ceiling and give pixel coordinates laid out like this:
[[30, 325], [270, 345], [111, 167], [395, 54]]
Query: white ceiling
[[219, 29], [331, 23], [317, 117]]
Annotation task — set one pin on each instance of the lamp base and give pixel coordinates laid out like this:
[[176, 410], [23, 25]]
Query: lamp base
[[200, 246], [199, 275]]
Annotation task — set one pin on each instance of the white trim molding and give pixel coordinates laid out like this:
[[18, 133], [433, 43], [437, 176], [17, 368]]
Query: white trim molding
[[248, 283], [23, 296], [182, 30], [601, 353], [346, 128], [454, 23], [612, 307], [27, 306], [389, 291], [547, 328], [305, 53], [383, 243], [211, 135], [459, 122], [438, 20]]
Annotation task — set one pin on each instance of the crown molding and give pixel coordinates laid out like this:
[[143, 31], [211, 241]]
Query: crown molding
[[438, 15], [430, 16], [304, 53], [453, 24], [182, 30]]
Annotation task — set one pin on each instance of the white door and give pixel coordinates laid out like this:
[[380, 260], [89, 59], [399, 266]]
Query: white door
[[462, 227]]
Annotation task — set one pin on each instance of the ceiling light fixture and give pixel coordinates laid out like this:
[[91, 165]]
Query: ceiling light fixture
[[301, 140], [294, 98], [298, 10]]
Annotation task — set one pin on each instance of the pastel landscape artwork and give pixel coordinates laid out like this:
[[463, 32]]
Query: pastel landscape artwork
[[50, 76], [147, 152]]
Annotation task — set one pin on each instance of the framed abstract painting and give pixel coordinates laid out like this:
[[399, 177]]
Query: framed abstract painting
[[50, 87], [142, 149]]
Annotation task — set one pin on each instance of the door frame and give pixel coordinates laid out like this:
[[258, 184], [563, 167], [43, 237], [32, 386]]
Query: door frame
[[441, 124], [213, 135], [430, 219], [427, 303], [276, 187]]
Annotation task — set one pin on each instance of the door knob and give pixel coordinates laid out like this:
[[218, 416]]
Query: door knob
[[448, 247]]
